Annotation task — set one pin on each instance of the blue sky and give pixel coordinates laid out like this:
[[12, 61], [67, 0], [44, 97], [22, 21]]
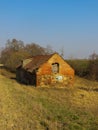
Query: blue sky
[[68, 24]]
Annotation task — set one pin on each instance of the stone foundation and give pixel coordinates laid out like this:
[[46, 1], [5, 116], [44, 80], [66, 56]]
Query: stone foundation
[[54, 79]]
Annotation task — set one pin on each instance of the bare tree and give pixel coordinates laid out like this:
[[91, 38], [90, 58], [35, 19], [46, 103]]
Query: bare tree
[[49, 49], [62, 51]]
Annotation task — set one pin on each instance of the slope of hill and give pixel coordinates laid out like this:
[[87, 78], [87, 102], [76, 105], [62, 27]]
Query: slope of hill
[[27, 108]]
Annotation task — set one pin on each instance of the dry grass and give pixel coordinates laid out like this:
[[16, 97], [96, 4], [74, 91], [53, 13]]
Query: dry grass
[[27, 108]]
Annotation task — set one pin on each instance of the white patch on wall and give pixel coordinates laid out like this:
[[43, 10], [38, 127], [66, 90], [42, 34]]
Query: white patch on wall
[[59, 78]]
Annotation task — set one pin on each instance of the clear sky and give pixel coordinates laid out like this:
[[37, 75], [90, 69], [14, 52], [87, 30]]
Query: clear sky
[[68, 24]]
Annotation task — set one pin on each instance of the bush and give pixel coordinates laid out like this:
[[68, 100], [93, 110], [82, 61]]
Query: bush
[[81, 67], [93, 69]]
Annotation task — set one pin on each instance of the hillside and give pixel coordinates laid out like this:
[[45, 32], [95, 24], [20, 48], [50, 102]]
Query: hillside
[[28, 108]]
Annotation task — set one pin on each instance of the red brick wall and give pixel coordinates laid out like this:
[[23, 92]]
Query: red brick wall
[[45, 75]]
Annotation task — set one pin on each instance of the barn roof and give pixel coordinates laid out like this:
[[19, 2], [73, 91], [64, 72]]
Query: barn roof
[[36, 61]]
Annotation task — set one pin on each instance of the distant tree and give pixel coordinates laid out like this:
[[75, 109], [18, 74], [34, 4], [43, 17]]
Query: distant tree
[[93, 66], [34, 49], [12, 53], [14, 45], [62, 52], [15, 59], [49, 49], [93, 56]]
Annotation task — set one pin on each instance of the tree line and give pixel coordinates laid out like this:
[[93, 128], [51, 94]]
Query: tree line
[[16, 50], [87, 68]]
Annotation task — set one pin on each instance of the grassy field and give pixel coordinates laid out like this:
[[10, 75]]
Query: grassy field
[[28, 108]]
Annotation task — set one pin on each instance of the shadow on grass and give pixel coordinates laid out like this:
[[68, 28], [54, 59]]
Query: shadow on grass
[[96, 89], [89, 89], [86, 89], [13, 78]]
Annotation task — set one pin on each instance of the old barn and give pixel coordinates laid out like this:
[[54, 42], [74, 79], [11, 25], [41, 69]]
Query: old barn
[[43, 70]]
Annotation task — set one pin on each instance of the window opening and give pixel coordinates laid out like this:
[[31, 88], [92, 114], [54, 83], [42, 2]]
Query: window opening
[[55, 68]]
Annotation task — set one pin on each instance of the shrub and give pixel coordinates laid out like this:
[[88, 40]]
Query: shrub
[[80, 66]]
